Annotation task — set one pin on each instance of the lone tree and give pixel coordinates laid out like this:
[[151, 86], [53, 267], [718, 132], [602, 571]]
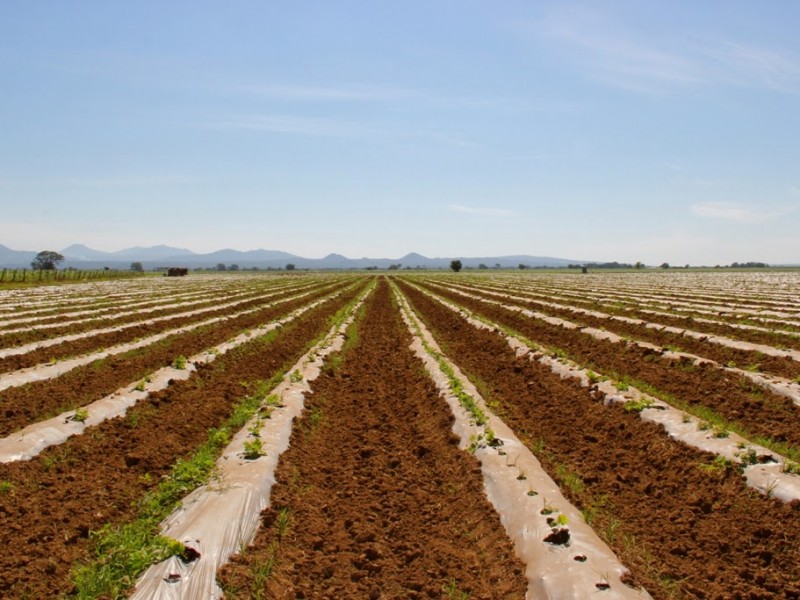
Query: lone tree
[[455, 265], [47, 260], [137, 267], [290, 267]]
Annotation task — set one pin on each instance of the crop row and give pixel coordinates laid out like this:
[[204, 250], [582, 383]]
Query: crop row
[[681, 520], [99, 480]]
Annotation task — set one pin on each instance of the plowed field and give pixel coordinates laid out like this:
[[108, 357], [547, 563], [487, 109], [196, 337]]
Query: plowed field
[[391, 482]]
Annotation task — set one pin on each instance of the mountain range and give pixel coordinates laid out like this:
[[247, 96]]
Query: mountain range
[[154, 257]]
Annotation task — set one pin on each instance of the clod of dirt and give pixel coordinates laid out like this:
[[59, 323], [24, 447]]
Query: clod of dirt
[[580, 558], [558, 537]]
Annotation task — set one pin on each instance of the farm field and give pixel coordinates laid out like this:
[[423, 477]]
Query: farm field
[[402, 435]]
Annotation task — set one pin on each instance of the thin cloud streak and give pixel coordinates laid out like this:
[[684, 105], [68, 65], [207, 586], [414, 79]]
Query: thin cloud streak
[[288, 124], [320, 93], [480, 211], [621, 58], [729, 211]]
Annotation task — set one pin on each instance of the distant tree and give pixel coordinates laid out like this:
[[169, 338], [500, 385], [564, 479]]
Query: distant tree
[[455, 266], [395, 267], [233, 267], [482, 266], [221, 267], [137, 267], [521, 266], [290, 267], [664, 265], [496, 265], [638, 265], [47, 260]]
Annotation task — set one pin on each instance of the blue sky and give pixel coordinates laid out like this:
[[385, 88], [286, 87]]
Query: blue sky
[[589, 130]]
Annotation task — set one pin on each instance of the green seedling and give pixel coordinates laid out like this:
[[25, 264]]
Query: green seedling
[[638, 406], [179, 362], [622, 386], [791, 467], [748, 456], [296, 376], [451, 591], [6, 487], [282, 522], [253, 449], [81, 414]]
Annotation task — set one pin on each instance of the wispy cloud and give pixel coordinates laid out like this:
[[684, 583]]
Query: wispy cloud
[[740, 213], [289, 124], [375, 93], [615, 56], [322, 93], [750, 65], [481, 211], [628, 58]]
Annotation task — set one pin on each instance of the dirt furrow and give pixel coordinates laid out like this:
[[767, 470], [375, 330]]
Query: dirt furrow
[[759, 411], [685, 525], [36, 401], [164, 308], [723, 353], [751, 333], [373, 497], [92, 342], [52, 503]]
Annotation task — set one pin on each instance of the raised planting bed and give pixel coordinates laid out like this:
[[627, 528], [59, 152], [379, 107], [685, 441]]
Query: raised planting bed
[[684, 523], [373, 497], [50, 504], [764, 415]]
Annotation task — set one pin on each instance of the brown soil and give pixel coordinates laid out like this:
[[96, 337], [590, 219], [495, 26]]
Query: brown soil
[[736, 398], [686, 320], [160, 304], [381, 502], [96, 478], [782, 366], [684, 531], [106, 340], [36, 401]]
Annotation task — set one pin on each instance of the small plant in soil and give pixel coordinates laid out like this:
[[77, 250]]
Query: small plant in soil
[[6, 487], [255, 428], [719, 465], [451, 591], [296, 376], [548, 509], [638, 406], [720, 432], [748, 457], [791, 467], [141, 385], [282, 522], [253, 449], [622, 386], [81, 414], [179, 362], [262, 571]]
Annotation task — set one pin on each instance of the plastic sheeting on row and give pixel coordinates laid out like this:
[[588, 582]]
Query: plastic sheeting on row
[[50, 371], [778, 385], [767, 476], [30, 441], [574, 564], [218, 519]]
